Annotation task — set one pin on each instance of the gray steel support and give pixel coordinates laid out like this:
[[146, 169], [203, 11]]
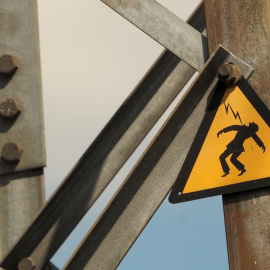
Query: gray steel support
[[151, 179], [104, 158], [19, 38], [164, 27], [21, 193], [21, 197], [243, 27]]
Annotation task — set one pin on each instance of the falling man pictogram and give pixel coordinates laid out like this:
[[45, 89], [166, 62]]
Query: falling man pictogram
[[236, 147]]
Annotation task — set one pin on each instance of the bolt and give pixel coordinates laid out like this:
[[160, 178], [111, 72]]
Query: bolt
[[229, 74], [10, 108], [225, 71], [26, 264], [8, 64], [12, 152]]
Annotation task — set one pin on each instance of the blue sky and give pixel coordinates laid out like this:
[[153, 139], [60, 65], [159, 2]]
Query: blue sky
[[183, 236], [91, 60]]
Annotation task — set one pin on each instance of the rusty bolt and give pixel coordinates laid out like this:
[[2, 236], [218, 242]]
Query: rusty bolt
[[12, 152], [26, 264], [229, 74], [8, 64], [10, 108], [225, 71]]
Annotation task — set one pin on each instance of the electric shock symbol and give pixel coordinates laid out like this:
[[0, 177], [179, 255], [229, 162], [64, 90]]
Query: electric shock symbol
[[236, 146], [236, 115]]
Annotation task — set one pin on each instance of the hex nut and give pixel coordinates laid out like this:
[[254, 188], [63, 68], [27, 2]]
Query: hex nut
[[8, 64], [229, 74], [225, 71], [10, 108], [12, 152], [26, 264]]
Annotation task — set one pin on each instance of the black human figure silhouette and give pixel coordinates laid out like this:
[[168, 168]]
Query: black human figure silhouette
[[235, 147]]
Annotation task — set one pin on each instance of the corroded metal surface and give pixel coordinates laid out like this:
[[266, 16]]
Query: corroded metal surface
[[229, 74], [243, 27]]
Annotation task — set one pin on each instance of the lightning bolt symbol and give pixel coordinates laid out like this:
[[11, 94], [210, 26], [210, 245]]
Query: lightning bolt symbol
[[236, 115]]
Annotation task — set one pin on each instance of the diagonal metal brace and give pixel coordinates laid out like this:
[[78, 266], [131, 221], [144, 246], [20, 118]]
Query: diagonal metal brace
[[166, 28], [152, 178]]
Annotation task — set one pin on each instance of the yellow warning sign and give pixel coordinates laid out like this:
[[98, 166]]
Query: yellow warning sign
[[231, 150], [236, 148]]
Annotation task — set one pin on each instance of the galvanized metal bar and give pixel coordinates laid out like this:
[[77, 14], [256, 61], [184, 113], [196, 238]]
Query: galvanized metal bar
[[19, 39], [21, 197], [164, 27], [247, 214], [151, 179], [104, 158], [21, 183]]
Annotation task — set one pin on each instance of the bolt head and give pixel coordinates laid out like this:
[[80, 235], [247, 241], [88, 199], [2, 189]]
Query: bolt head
[[8, 64], [229, 74], [10, 108], [12, 152], [26, 264], [225, 71]]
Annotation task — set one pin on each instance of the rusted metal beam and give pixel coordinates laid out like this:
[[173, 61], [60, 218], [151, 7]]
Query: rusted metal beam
[[104, 158], [164, 27], [243, 27], [151, 179], [21, 173]]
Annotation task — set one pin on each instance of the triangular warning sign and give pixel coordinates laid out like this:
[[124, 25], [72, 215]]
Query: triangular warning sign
[[231, 150]]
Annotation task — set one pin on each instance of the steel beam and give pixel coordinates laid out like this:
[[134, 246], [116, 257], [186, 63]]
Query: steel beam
[[19, 38], [151, 179], [21, 197], [243, 27], [21, 183], [164, 27], [104, 158]]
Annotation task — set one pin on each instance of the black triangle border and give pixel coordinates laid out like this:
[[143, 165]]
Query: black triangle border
[[176, 195]]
